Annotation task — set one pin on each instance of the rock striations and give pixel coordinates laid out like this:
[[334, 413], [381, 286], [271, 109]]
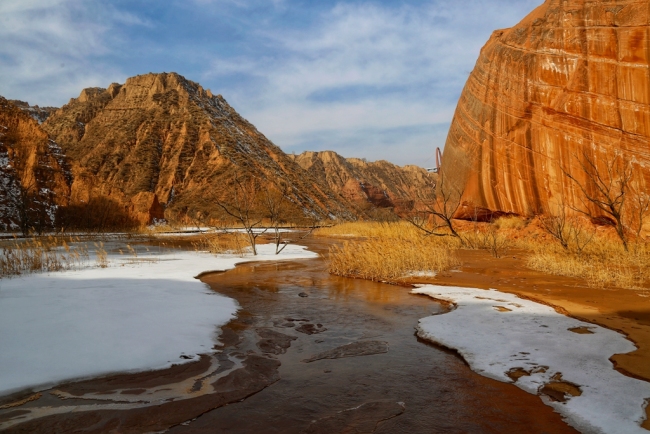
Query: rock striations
[[367, 185], [161, 145], [34, 178], [570, 82]]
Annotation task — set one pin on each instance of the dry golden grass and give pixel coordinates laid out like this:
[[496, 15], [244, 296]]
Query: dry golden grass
[[234, 243], [393, 251], [399, 229], [510, 222], [602, 262], [41, 254], [390, 252]]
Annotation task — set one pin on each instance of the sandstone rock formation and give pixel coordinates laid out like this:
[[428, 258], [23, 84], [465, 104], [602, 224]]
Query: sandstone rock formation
[[161, 145], [40, 114], [367, 185], [34, 179], [569, 83]]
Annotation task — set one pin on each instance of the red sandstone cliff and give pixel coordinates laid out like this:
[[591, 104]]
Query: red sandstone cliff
[[568, 83]]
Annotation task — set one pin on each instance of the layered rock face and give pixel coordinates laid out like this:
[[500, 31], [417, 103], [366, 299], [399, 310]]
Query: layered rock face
[[40, 114], [34, 178], [568, 84], [161, 145], [367, 185]]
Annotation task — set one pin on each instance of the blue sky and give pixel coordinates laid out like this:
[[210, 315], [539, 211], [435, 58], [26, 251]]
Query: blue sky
[[373, 79]]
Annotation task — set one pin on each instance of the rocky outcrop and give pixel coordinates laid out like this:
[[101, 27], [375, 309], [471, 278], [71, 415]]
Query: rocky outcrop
[[368, 185], [569, 83], [34, 177], [161, 142], [40, 114]]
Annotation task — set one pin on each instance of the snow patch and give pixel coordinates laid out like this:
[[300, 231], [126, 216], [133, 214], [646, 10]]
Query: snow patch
[[135, 315], [497, 333]]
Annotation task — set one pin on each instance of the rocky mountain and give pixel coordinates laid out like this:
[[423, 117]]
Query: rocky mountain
[[566, 86], [34, 176], [162, 146], [368, 185], [40, 114]]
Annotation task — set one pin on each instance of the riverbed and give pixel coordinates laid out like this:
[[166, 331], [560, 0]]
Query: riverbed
[[308, 352]]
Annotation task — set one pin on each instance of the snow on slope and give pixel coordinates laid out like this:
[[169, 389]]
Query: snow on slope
[[534, 337], [127, 317]]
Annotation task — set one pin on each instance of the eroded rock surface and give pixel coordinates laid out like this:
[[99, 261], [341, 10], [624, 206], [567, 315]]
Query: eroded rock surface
[[161, 145], [34, 179], [571, 79], [378, 184]]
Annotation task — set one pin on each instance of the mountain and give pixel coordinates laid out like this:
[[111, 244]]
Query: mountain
[[162, 146], [34, 176], [567, 86], [368, 185], [40, 114]]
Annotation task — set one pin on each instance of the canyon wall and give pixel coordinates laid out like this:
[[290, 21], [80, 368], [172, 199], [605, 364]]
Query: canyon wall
[[568, 85], [34, 176], [369, 185]]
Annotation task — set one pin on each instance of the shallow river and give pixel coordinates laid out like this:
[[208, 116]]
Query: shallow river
[[435, 389], [279, 371]]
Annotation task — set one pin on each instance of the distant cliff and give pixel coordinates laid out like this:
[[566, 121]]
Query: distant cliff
[[369, 184]]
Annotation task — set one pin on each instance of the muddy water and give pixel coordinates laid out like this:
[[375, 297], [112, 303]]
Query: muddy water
[[281, 370], [413, 387]]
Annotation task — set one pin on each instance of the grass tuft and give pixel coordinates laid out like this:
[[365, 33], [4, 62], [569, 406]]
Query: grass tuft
[[390, 252]]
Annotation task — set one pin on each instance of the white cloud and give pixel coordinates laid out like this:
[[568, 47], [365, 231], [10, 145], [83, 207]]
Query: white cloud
[[307, 75], [414, 62], [51, 49]]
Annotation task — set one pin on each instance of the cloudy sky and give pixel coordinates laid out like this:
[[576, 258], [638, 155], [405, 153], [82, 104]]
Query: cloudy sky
[[373, 79]]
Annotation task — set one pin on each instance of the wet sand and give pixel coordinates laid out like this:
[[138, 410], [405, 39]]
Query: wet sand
[[309, 352]]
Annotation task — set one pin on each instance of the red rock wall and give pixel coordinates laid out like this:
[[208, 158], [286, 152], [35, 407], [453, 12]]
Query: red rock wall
[[572, 79]]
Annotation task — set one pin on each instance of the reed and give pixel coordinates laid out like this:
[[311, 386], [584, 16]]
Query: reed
[[602, 263], [234, 243], [390, 252], [41, 255]]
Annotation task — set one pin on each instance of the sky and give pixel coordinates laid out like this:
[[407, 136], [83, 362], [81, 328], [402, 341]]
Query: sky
[[367, 79]]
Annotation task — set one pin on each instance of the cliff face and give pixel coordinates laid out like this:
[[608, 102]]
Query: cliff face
[[34, 180], [161, 142], [568, 84], [367, 185], [40, 114]]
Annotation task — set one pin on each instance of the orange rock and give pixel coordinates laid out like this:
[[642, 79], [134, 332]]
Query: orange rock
[[570, 80], [380, 183], [162, 144]]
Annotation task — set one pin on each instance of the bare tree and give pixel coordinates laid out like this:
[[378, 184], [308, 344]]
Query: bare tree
[[642, 211], [275, 203], [243, 205], [438, 209], [605, 190]]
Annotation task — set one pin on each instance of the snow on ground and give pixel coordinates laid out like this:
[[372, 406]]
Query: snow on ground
[[135, 315], [496, 332]]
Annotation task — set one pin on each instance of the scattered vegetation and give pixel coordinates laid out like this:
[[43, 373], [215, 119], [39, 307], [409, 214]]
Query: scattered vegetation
[[389, 251], [602, 263], [41, 254], [234, 243]]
